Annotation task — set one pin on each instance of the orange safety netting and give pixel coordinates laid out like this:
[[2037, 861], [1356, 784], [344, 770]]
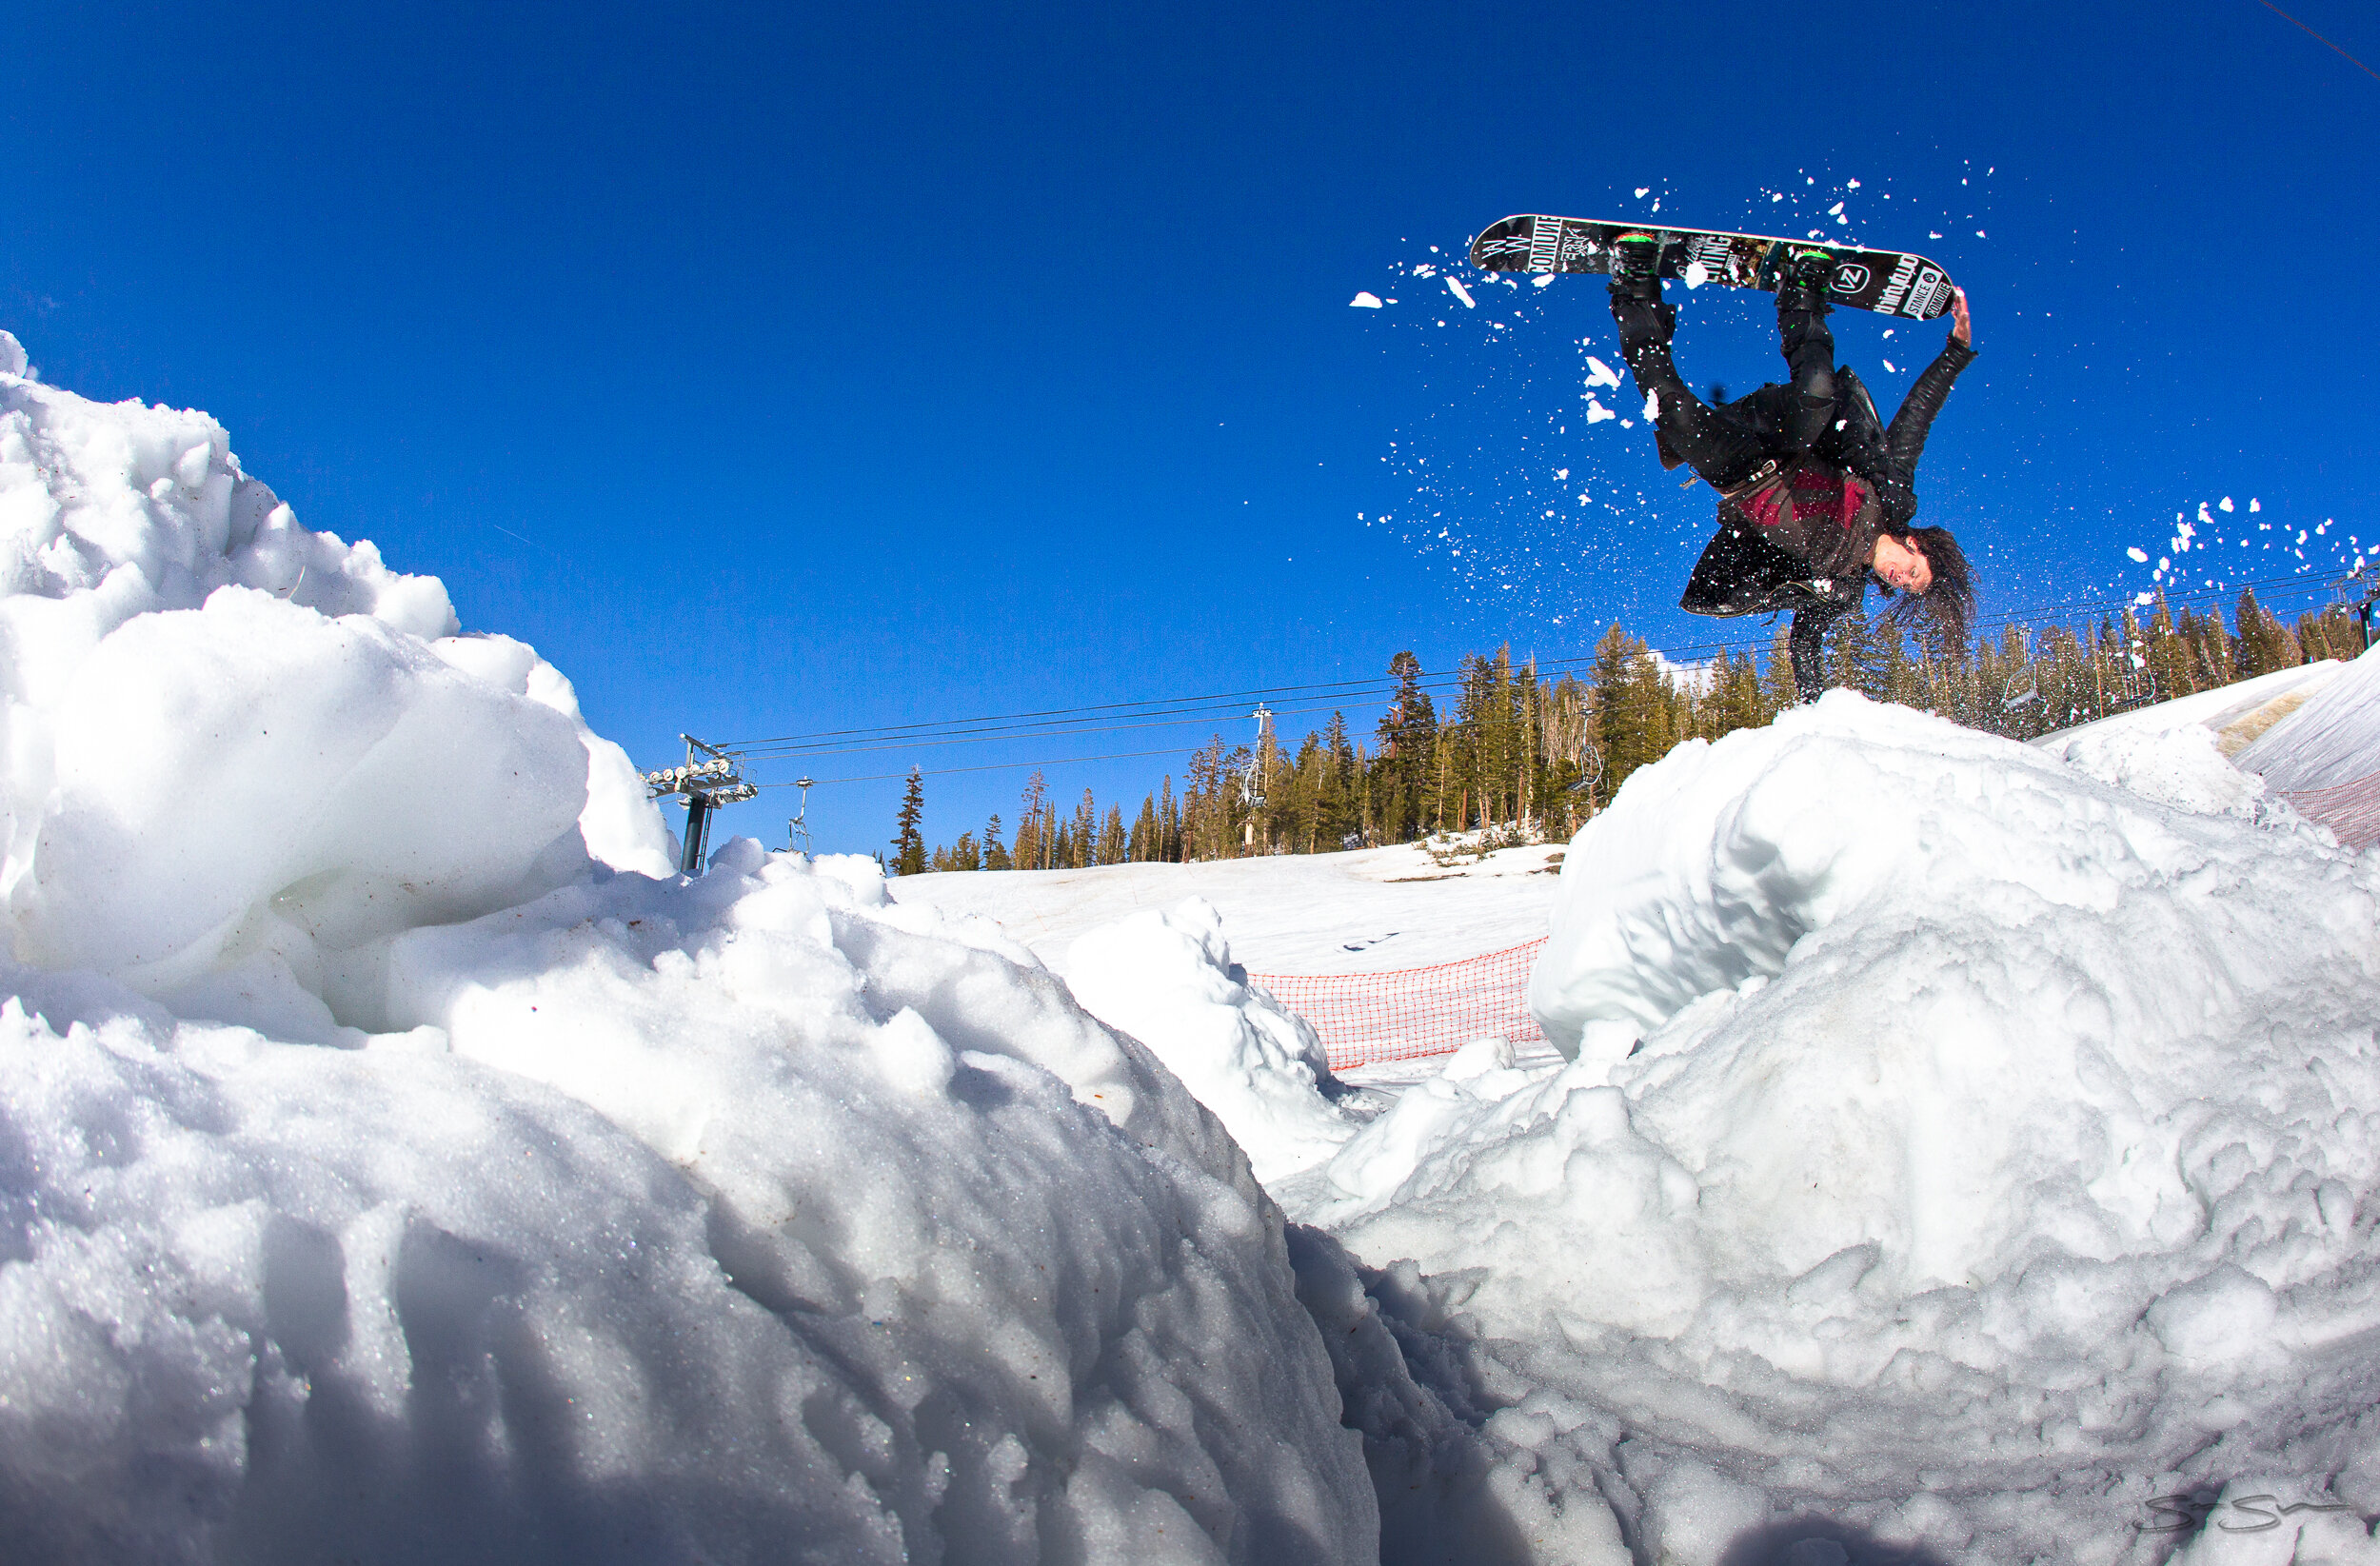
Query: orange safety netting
[[1404, 1015], [2352, 810]]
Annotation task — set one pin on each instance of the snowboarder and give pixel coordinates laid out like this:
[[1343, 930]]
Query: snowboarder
[[1816, 493]]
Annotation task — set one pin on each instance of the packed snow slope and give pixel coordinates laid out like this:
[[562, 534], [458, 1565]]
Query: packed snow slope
[[1961, 1152], [385, 1180], [2331, 741]]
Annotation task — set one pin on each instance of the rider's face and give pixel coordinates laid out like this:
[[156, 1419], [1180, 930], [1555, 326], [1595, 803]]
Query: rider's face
[[1902, 566]]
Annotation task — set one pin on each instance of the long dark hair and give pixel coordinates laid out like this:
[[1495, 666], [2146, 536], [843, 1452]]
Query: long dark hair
[[1944, 614]]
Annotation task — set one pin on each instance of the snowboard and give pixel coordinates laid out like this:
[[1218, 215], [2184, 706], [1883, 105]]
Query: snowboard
[[1887, 282]]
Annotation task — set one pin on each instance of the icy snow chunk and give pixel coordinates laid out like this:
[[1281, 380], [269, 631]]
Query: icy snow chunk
[[2227, 1314], [1596, 412], [1599, 374], [1454, 285], [2140, 556], [13, 360], [1366, 300], [1542, 280]]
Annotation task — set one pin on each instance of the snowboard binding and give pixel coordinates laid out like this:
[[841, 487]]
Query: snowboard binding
[[1637, 268]]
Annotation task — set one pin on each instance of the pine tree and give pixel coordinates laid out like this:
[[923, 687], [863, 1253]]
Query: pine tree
[[1031, 851], [1634, 707], [1083, 842], [2265, 643], [1777, 688], [908, 840], [1145, 842], [995, 856], [1112, 839]]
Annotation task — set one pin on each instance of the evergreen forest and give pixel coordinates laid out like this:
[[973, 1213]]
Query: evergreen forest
[[1523, 757]]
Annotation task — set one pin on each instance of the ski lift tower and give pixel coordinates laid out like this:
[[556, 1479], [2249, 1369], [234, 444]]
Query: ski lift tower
[[1253, 784], [2368, 583], [706, 785], [798, 829]]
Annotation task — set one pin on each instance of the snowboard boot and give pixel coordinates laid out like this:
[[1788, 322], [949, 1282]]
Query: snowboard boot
[[1636, 267], [1802, 283], [1644, 322]]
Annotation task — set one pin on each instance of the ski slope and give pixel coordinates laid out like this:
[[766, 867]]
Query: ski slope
[[1366, 910]]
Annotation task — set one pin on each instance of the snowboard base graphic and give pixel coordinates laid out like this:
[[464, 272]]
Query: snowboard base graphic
[[1887, 282]]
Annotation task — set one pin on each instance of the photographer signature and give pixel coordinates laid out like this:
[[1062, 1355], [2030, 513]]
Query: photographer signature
[[2262, 1511]]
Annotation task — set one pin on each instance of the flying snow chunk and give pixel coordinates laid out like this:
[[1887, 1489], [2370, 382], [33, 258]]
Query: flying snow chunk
[[1888, 365], [2254, 505], [2139, 556], [2144, 598], [1596, 412], [1835, 211], [2224, 505], [1364, 300], [1696, 274], [1541, 280], [1454, 285], [1599, 374], [1643, 190], [2202, 514]]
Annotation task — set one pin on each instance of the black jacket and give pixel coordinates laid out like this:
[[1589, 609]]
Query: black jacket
[[1752, 570]]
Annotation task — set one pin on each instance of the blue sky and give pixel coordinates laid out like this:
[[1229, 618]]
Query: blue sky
[[799, 368]]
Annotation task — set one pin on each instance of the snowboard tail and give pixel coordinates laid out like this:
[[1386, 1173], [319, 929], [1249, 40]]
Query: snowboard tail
[[1888, 281]]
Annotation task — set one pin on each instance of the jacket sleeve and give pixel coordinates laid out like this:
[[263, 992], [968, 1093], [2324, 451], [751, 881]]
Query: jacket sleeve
[[1905, 442]]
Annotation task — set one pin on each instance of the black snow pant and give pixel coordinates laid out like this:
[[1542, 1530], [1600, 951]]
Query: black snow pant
[[1723, 448]]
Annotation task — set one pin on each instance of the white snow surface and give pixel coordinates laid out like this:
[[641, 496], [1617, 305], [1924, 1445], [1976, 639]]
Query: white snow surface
[[397, 1162], [1969, 1154], [1960, 1152], [1362, 910]]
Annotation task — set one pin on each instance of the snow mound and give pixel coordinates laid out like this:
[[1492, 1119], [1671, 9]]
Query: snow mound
[[1994, 1122], [633, 1218], [232, 743], [1168, 979]]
